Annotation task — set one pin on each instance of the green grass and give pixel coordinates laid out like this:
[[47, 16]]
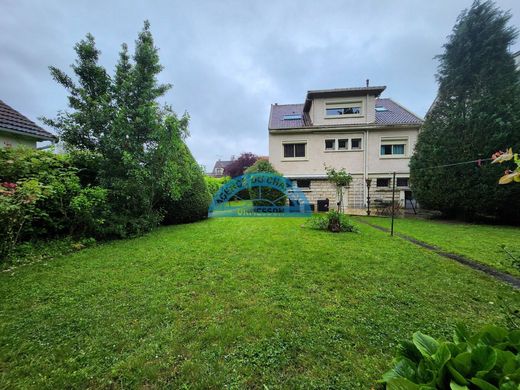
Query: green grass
[[236, 302], [481, 243]]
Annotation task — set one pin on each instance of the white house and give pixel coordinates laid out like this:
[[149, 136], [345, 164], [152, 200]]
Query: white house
[[18, 130], [352, 128]]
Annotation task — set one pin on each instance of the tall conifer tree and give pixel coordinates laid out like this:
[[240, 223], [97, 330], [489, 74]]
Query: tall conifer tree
[[477, 112]]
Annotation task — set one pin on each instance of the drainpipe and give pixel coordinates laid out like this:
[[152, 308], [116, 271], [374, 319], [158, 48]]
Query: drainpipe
[[365, 170], [365, 150]]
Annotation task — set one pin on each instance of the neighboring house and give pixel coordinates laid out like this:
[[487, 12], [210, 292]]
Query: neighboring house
[[219, 168], [18, 130], [349, 128]]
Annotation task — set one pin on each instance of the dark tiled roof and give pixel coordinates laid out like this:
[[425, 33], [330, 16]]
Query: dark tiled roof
[[278, 111], [221, 164], [14, 122], [395, 115]]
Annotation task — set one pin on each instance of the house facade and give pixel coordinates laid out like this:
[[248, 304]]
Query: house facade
[[219, 168], [18, 130], [352, 128]]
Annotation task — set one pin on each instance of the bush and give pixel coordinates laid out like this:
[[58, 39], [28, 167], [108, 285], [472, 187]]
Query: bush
[[41, 196], [332, 221], [489, 359], [214, 183], [269, 196], [193, 203]]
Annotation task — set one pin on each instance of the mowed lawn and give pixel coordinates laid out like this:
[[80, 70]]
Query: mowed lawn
[[481, 243], [234, 302]]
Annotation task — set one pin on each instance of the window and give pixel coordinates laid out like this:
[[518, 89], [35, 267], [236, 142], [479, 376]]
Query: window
[[342, 144], [402, 182], [355, 143], [330, 144], [393, 147], [335, 111], [303, 183], [292, 117], [381, 109], [383, 182], [296, 150]]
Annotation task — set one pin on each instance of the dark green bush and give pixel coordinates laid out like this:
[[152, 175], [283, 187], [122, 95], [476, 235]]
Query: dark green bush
[[487, 360], [193, 203], [332, 221], [265, 196]]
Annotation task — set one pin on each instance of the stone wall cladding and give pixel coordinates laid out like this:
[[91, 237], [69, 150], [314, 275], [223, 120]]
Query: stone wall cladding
[[323, 189], [355, 195]]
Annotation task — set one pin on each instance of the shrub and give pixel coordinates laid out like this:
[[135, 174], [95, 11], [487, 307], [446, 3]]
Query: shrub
[[17, 209], [56, 178], [489, 359], [214, 183], [41, 196], [332, 221], [89, 211], [265, 196], [193, 203]]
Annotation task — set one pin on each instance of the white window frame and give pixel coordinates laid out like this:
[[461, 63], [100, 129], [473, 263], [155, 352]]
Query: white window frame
[[396, 140], [360, 144], [299, 141], [334, 147], [349, 144]]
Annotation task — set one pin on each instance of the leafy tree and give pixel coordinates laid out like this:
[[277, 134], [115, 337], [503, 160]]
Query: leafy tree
[[477, 111], [265, 196], [139, 146], [238, 165], [341, 180]]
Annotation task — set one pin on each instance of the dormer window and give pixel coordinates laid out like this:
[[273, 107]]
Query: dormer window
[[343, 109]]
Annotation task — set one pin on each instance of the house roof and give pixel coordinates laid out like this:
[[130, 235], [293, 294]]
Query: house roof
[[221, 164], [12, 121], [341, 92], [395, 114]]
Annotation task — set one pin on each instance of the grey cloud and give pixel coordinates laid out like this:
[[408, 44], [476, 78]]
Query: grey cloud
[[229, 60]]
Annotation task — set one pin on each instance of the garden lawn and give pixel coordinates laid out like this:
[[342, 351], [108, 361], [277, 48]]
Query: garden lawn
[[237, 302], [482, 243]]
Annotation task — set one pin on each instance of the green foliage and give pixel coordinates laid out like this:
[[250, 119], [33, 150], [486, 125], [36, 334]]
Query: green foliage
[[269, 196], [510, 176], [89, 211], [487, 360], [193, 202], [477, 112], [332, 221], [341, 179], [214, 183], [41, 196], [17, 209], [123, 139]]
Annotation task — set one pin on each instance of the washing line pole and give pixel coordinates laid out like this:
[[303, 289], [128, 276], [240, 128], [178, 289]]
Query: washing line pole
[[393, 204]]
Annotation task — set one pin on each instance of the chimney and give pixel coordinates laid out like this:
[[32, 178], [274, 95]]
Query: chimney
[[368, 82]]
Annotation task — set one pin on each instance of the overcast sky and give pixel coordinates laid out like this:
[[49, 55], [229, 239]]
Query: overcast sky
[[229, 60]]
